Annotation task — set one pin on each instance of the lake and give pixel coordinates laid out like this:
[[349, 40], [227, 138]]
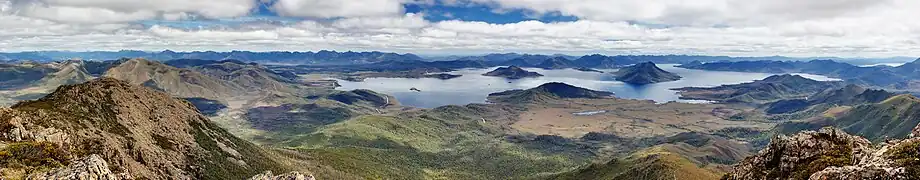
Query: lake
[[472, 87]]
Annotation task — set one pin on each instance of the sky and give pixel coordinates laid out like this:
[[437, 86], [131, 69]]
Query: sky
[[800, 28]]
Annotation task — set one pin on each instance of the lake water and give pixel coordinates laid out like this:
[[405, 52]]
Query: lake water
[[472, 87]]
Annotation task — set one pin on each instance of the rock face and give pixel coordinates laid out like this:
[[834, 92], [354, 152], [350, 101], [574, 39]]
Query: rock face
[[512, 72], [645, 73], [830, 154], [286, 176], [137, 130], [91, 167]]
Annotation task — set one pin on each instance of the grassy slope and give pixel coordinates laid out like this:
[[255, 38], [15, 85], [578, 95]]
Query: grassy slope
[[652, 163], [448, 143]]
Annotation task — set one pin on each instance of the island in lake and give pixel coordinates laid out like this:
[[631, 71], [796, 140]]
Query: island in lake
[[645, 73], [512, 72]]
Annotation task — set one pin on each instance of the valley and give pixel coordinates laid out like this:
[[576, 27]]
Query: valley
[[435, 120]]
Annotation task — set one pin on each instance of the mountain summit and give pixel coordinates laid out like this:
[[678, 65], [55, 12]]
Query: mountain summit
[[139, 132], [645, 73]]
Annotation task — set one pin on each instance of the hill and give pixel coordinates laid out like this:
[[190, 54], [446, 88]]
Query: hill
[[547, 91], [683, 156], [645, 73], [893, 118], [17, 76], [175, 81], [512, 72], [822, 101], [648, 164], [762, 91], [71, 72], [251, 77], [136, 131]]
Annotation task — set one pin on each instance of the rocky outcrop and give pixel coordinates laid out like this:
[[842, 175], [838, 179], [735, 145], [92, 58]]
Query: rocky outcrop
[[830, 154], [286, 176], [91, 167]]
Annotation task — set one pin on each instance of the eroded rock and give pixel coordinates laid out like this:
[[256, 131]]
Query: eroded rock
[[91, 167], [286, 176]]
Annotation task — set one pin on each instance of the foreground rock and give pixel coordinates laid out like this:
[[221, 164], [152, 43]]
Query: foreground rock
[[92, 167], [512, 72], [831, 154], [286, 176], [645, 73]]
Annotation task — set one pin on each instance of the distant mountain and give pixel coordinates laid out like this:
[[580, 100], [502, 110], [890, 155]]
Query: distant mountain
[[547, 91], [175, 81], [16, 76], [893, 118], [252, 77], [846, 96], [645, 73], [98, 68], [525, 61], [512, 72], [771, 89], [490, 57], [125, 131], [604, 62], [902, 77], [71, 72], [556, 63], [320, 57]]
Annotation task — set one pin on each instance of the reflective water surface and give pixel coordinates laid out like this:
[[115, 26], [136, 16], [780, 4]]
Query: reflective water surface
[[472, 87]]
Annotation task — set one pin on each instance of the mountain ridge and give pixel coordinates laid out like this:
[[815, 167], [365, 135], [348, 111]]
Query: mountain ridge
[[139, 131]]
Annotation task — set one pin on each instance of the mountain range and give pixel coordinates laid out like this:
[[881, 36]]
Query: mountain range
[[903, 77], [319, 57], [773, 88]]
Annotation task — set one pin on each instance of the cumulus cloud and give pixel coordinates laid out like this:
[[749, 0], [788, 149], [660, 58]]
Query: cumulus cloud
[[338, 8], [712, 27], [119, 11]]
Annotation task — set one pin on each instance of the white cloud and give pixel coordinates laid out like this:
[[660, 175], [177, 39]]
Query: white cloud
[[120, 11], [755, 28], [338, 8]]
